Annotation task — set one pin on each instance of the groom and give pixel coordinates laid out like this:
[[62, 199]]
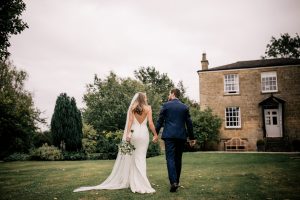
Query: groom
[[175, 118]]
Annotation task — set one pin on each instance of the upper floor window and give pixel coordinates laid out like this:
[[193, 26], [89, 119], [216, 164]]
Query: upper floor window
[[231, 84], [232, 117], [269, 82]]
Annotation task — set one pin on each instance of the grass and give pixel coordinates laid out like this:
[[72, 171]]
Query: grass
[[204, 176]]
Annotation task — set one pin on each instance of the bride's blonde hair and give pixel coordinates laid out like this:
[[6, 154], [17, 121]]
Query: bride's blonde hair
[[141, 101]]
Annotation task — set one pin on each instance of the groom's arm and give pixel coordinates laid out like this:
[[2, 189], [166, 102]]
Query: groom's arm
[[189, 126], [161, 119]]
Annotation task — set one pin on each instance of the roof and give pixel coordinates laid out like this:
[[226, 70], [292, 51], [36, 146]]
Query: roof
[[272, 100], [256, 64]]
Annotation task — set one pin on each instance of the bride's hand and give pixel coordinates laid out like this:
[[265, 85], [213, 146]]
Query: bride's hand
[[155, 139], [128, 138]]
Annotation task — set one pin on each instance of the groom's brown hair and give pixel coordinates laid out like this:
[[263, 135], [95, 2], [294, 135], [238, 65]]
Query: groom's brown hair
[[176, 92]]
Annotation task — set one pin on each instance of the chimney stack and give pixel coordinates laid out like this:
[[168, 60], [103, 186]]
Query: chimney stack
[[204, 62]]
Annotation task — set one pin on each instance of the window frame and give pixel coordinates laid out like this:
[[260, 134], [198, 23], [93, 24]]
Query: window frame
[[235, 84], [263, 83], [238, 116]]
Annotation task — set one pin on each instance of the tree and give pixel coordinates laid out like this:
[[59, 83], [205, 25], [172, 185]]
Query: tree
[[160, 84], [10, 23], [66, 124], [283, 47], [107, 102], [18, 116], [40, 138], [76, 128], [157, 86], [185, 99]]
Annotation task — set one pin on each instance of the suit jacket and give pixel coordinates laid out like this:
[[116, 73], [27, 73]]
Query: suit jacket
[[175, 117]]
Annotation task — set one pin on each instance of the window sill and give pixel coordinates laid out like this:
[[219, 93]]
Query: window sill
[[232, 128], [231, 94], [268, 92], [226, 139]]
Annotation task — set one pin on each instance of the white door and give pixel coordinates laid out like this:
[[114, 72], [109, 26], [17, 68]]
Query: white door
[[273, 123]]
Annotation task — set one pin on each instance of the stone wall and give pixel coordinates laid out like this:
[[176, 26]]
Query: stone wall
[[211, 84], [289, 90]]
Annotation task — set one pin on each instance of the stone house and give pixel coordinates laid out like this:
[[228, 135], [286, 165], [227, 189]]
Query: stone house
[[257, 99]]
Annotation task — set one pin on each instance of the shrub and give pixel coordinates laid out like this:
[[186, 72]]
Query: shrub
[[89, 141], [296, 145], [260, 142], [46, 152], [77, 155], [74, 155], [40, 138], [17, 157], [206, 126], [95, 156], [260, 145], [89, 146], [107, 144], [153, 150]]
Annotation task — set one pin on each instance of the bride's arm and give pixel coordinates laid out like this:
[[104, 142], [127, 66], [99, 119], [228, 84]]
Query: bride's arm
[[151, 125], [130, 121]]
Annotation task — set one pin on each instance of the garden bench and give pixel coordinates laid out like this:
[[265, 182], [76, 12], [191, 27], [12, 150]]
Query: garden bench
[[236, 144]]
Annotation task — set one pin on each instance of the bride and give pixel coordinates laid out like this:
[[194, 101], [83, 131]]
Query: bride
[[130, 170]]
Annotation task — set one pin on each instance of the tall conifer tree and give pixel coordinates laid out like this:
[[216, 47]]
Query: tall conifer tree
[[66, 124]]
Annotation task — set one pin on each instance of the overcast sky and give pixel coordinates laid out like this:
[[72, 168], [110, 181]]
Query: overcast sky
[[68, 41]]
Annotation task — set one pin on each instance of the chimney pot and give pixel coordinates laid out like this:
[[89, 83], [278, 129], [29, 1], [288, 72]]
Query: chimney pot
[[204, 62]]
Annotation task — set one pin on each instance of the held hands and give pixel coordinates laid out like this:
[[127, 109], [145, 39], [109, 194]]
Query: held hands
[[155, 138]]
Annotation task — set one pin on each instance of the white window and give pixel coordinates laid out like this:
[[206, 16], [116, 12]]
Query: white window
[[231, 84], [232, 117], [269, 82]]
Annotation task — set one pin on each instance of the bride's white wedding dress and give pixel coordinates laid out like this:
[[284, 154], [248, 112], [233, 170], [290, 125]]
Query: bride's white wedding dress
[[130, 170]]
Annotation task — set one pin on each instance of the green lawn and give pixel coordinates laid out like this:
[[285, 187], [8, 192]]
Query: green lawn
[[205, 176]]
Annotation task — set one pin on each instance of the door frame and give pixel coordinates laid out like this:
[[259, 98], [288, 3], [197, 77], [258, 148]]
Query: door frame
[[279, 121], [273, 102]]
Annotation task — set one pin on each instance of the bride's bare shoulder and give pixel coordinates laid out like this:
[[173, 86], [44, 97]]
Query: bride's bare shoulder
[[147, 108]]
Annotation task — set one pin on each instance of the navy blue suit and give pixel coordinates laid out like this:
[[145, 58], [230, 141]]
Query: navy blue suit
[[175, 118]]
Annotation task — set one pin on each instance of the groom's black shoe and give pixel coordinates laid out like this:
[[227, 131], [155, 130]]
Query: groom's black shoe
[[174, 187]]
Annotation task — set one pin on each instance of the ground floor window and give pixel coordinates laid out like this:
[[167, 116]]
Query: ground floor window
[[232, 117]]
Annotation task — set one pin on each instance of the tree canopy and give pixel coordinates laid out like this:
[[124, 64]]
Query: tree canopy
[[159, 83], [107, 101], [283, 47], [10, 23], [18, 116]]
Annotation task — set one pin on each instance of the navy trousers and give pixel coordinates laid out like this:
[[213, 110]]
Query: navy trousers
[[174, 149]]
